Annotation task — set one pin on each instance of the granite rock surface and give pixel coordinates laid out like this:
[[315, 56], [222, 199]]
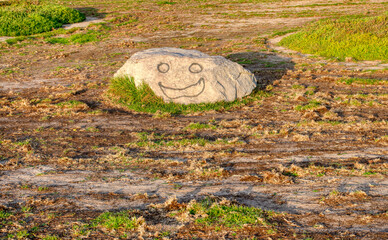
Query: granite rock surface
[[189, 76]]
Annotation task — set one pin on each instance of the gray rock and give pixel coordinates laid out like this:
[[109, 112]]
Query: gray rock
[[189, 76]]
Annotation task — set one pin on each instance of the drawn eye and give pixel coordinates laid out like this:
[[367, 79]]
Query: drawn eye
[[195, 68], [163, 67]]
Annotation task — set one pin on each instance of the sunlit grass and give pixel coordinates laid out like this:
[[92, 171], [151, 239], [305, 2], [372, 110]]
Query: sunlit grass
[[118, 221], [157, 141], [198, 126], [71, 103], [4, 214], [23, 18], [363, 81], [356, 37], [309, 106], [228, 216]]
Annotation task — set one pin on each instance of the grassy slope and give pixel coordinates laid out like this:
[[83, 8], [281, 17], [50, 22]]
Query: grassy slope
[[361, 38], [21, 19]]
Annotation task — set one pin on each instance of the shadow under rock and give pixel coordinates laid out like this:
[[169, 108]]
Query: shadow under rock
[[267, 67]]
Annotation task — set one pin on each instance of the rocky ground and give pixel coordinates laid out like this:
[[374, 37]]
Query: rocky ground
[[313, 150]]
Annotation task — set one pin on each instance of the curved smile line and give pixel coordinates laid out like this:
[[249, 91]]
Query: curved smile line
[[193, 90]]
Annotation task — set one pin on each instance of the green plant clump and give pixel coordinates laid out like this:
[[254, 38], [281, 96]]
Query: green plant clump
[[309, 106], [78, 38], [356, 37], [70, 103], [23, 18], [120, 220], [4, 214], [165, 3], [229, 215], [363, 81], [123, 91]]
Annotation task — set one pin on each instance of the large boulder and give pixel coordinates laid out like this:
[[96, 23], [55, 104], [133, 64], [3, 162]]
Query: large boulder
[[189, 76]]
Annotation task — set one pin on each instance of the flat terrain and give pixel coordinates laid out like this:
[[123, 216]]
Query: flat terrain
[[312, 153]]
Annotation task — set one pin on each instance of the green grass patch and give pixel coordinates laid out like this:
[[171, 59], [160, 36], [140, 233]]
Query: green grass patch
[[368, 173], [363, 81], [118, 224], [23, 234], [51, 237], [231, 216], [124, 20], [199, 126], [309, 106], [282, 33], [333, 123], [358, 37], [297, 86], [123, 91], [118, 221], [4, 214], [290, 174], [161, 3], [11, 41], [156, 141], [23, 18], [71, 104], [90, 36], [52, 33], [58, 40], [78, 38], [244, 61]]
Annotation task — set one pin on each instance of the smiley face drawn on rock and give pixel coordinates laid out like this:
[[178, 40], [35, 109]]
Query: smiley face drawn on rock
[[190, 91]]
